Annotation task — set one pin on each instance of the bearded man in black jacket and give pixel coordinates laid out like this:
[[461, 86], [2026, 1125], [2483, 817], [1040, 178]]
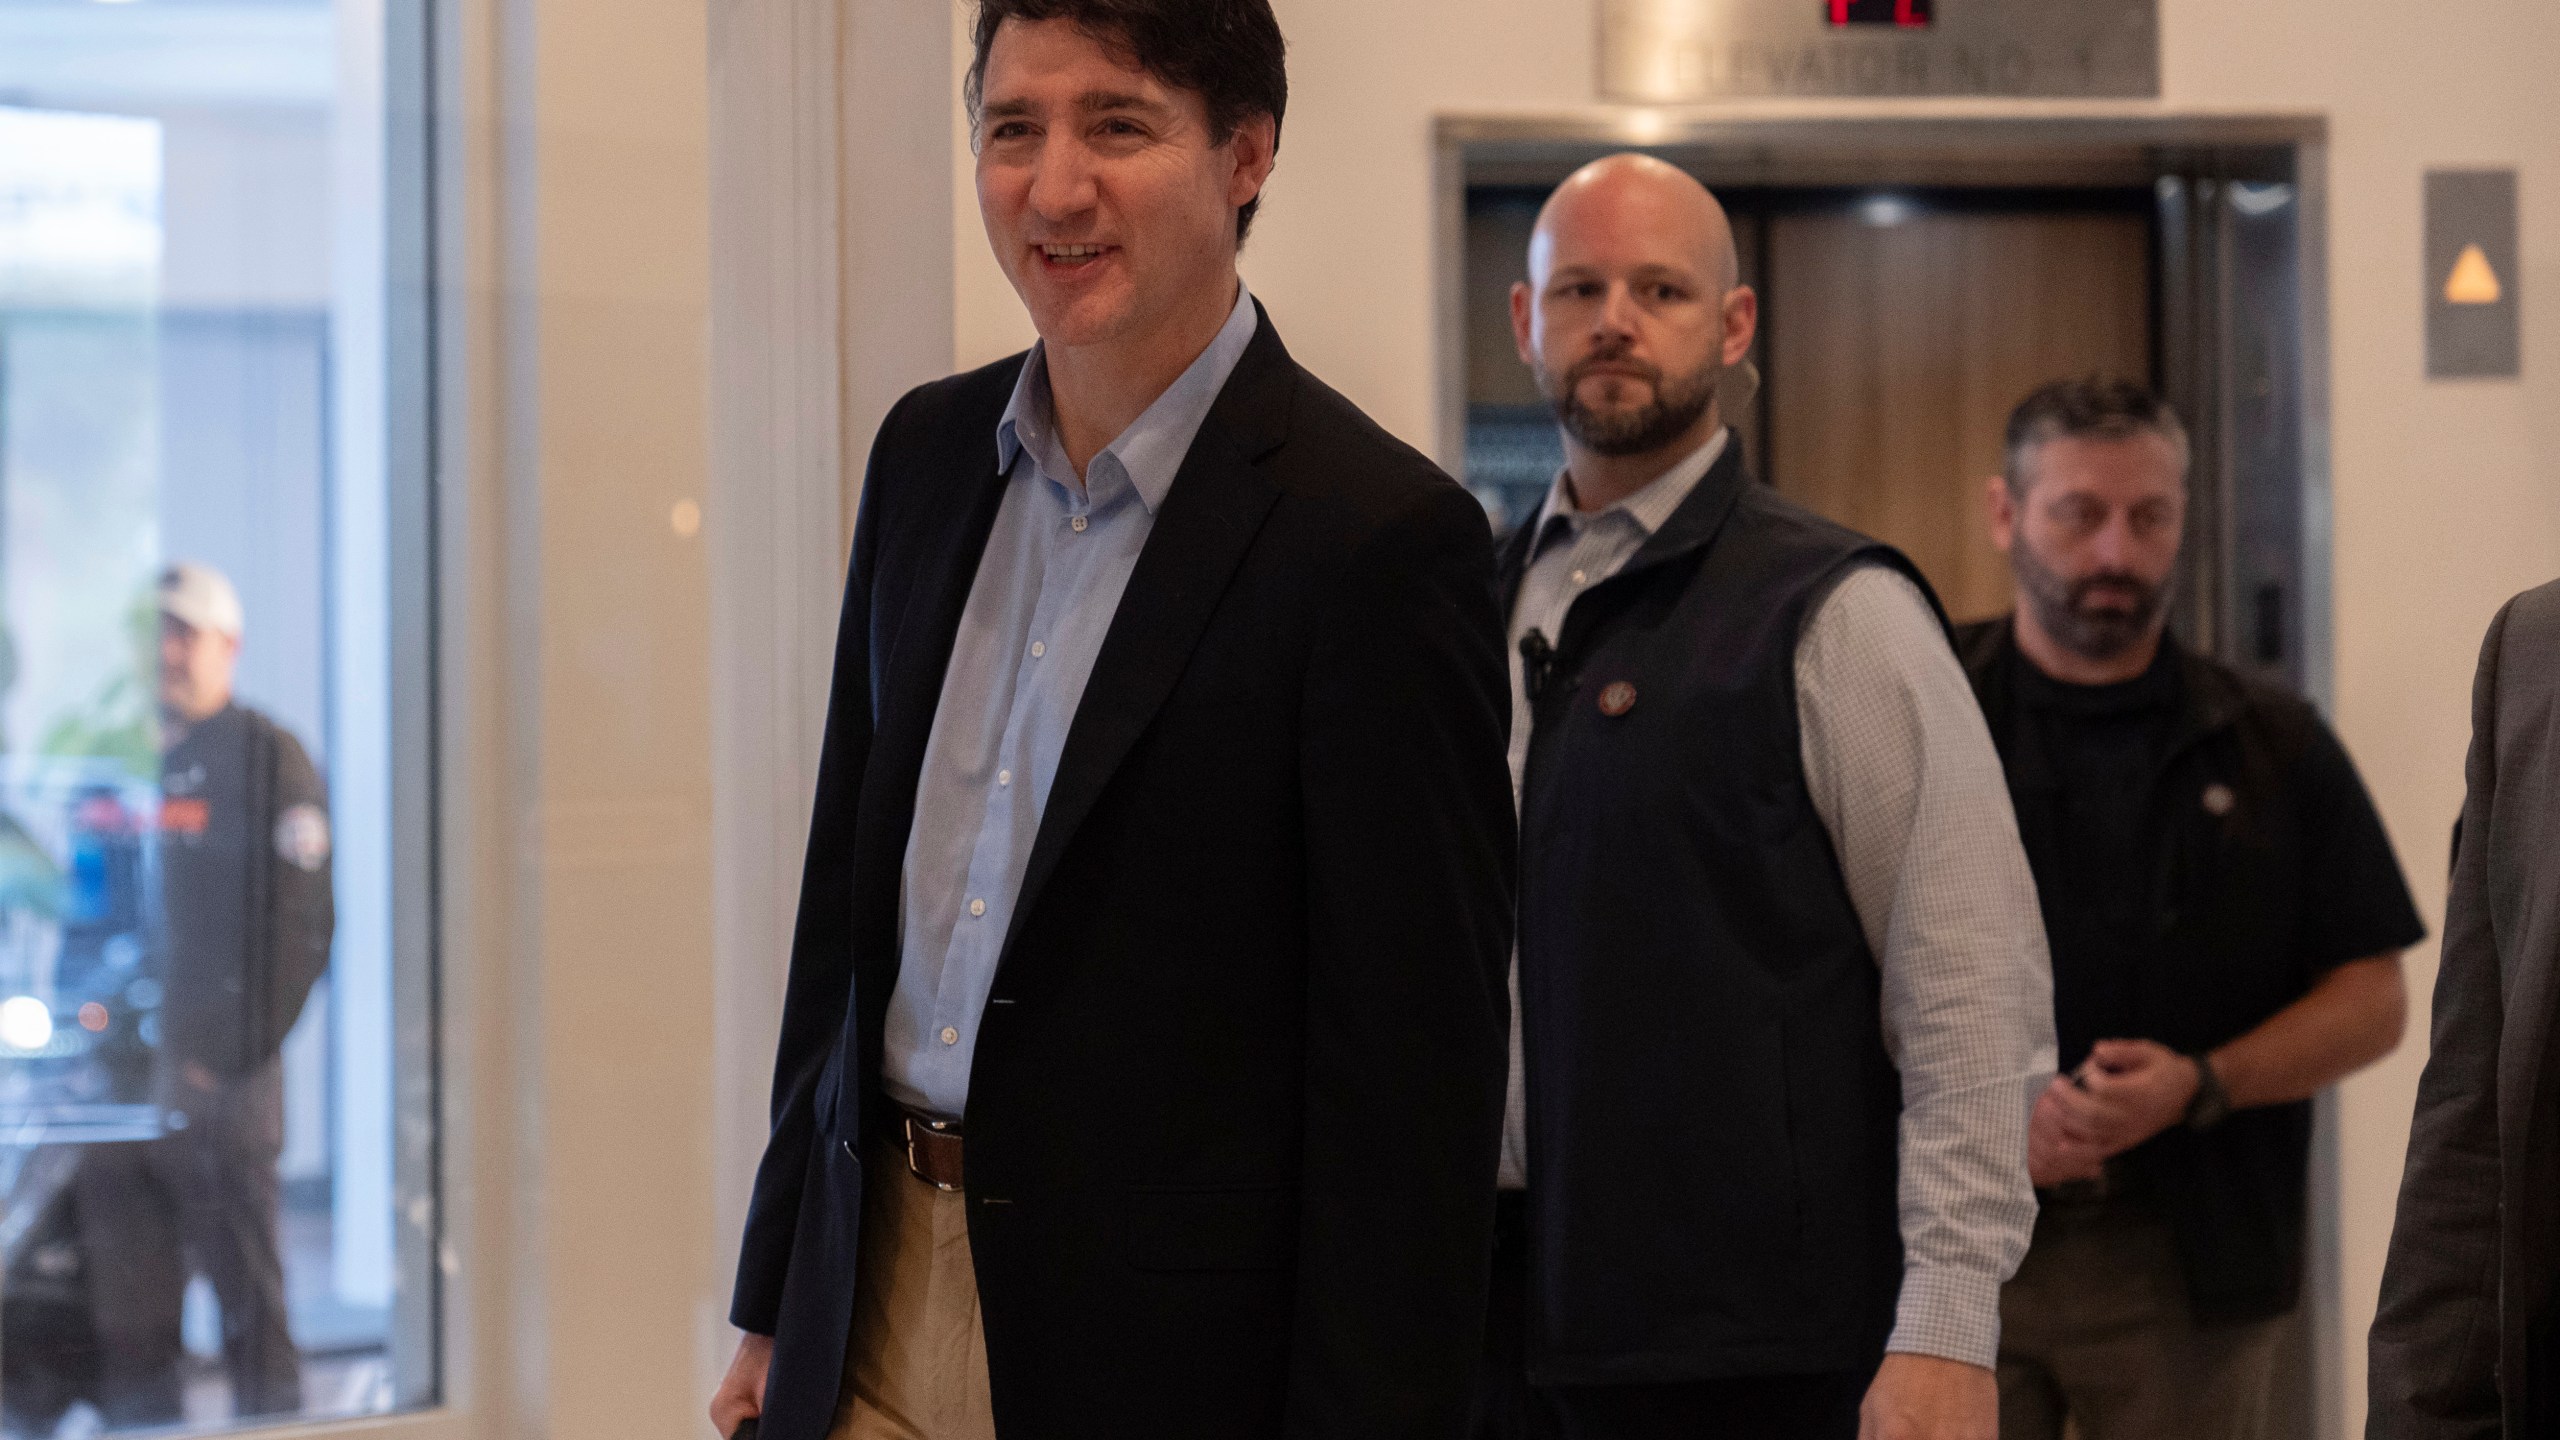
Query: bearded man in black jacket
[[246, 915]]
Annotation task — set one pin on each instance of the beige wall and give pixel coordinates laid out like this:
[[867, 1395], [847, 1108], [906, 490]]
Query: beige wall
[[2447, 496], [577, 1060], [684, 278], [609, 306]]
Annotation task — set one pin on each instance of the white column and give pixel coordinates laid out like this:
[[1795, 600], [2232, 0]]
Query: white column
[[578, 960], [831, 255], [774, 517]]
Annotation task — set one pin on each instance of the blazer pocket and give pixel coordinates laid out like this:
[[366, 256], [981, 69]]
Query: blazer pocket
[[1227, 1229]]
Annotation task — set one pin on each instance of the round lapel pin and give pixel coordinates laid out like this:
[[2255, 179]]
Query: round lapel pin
[[1617, 699], [2218, 799]]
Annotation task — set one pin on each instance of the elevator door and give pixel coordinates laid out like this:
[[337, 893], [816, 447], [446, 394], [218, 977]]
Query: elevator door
[[1897, 339]]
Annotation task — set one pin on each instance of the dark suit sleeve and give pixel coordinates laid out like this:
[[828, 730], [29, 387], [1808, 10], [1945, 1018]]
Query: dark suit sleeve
[[302, 909], [1409, 855], [821, 979], [2432, 1372]]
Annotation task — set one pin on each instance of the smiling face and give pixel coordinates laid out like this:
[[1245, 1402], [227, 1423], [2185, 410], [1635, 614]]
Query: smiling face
[[1109, 202], [1632, 311]]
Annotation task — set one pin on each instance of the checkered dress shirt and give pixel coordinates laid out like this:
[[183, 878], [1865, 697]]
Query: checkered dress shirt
[[1902, 771]]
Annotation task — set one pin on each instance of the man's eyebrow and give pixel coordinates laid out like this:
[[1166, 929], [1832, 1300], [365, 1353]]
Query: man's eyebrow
[[1092, 102], [1643, 273], [1095, 102]]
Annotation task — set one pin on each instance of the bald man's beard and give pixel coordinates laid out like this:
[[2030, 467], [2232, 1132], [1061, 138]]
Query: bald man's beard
[[1676, 407]]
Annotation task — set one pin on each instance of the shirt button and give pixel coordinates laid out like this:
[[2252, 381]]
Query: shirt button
[[1004, 777], [1577, 577], [1077, 524], [977, 907], [950, 1036], [1038, 649]]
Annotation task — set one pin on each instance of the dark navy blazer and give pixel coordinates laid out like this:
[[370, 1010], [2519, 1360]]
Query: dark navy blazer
[[1236, 1101]]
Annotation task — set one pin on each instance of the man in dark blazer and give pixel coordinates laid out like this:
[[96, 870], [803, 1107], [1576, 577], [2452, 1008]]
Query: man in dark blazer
[[1141, 1067], [2463, 1343]]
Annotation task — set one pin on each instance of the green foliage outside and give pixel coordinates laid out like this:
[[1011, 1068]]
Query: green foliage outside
[[29, 880], [119, 723]]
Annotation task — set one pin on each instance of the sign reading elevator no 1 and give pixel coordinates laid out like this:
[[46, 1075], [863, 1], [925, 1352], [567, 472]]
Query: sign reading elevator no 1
[[1669, 51]]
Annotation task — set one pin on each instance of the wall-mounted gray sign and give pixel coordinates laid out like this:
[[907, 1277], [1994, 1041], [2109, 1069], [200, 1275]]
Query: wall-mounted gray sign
[[1668, 51], [2473, 309]]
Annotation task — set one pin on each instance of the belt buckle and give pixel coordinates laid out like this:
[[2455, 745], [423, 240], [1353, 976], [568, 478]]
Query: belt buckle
[[914, 1167]]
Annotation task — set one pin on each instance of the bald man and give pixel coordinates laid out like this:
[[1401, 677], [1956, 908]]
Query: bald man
[[1783, 998]]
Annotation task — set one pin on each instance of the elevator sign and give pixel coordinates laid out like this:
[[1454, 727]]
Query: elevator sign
[[1671, 51], [1906, 14], [2474, 328]]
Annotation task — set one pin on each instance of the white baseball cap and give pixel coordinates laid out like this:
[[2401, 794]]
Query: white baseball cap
[[200, 596]]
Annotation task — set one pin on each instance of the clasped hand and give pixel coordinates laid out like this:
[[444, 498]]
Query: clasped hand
[[2125, 1093]]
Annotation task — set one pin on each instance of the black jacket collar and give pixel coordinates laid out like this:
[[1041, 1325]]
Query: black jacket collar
[[2211, 698], [1690, 527]]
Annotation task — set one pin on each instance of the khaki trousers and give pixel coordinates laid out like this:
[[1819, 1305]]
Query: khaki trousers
[[917, 1365], [2095, 1334]]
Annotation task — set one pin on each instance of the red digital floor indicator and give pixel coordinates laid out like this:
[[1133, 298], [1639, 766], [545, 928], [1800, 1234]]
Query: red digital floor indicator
[[1908, 14]]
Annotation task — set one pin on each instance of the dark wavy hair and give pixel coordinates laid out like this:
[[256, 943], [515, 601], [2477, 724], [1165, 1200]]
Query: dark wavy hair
[[2094, 408], [1228, 52]]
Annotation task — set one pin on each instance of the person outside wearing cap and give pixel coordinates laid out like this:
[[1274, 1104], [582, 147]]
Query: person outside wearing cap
[[243, 933]]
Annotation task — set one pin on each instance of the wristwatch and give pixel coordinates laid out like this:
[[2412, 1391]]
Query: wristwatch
[[2211, 1103]]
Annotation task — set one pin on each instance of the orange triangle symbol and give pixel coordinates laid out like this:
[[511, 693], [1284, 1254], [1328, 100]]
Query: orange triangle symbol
[[2472, 281]]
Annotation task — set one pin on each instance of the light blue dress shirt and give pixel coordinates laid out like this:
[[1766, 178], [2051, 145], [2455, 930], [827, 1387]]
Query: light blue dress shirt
[[1048, 585]]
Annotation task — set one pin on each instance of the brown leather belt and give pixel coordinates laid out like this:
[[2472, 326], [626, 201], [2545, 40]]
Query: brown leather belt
[[933, 1151]]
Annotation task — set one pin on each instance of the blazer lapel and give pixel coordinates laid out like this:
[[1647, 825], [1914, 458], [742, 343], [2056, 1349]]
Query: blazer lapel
[[947, 546], [1208, 520]]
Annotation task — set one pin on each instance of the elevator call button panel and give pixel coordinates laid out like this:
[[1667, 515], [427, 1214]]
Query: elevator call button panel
[[2474, 313]]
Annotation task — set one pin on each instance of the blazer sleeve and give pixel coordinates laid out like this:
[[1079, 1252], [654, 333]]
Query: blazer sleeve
[[820, 987], [1409, 855], [2432, 1372]]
